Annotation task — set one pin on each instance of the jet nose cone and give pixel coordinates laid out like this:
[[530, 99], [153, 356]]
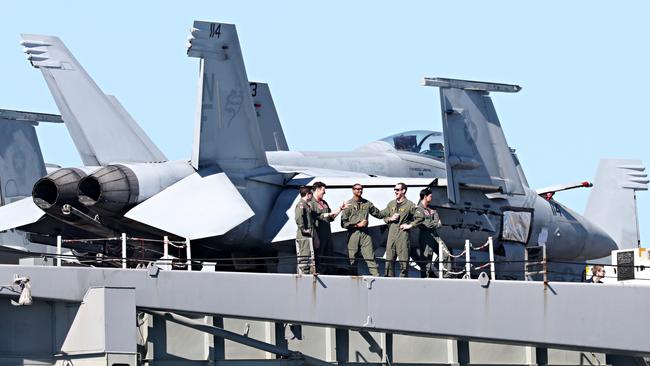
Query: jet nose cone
[[599, 244]]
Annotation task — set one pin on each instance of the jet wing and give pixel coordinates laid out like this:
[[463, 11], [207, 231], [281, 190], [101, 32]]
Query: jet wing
[[26, 216], [201, 205], [281, 223], [97, 123], [476, 150]]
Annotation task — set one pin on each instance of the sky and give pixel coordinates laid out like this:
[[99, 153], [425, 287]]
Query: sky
[[343, 73]]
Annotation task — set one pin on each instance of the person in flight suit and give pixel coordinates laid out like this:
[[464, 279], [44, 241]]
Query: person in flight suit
[[355, 219], [323, 216], [426, 219], [304, 232], [398, 213]]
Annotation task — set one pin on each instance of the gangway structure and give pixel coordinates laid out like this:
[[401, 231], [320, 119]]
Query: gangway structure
[[535, 314]]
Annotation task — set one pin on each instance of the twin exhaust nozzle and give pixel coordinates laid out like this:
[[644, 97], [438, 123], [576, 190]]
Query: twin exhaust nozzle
[[110, 190]]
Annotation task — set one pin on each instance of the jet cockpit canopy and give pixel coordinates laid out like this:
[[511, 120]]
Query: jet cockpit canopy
[[429, 143]]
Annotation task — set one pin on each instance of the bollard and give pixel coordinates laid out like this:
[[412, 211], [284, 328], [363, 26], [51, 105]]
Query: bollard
[[493, 275], [58, 250], [124, 250], [468, 265]]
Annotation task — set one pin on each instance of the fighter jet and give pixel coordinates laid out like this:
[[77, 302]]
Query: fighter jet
[[232, 195], [97, 122]]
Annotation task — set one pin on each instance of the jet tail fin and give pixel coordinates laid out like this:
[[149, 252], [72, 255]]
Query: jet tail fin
[[267, 118], [476, 150], [612, 201], [226, 133], [96, 123], [21, 160]]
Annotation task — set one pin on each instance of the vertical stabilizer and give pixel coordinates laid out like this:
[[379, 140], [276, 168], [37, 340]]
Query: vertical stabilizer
[[21, 161], [476, 151], [267, 118], [612, 201], [226, 132], [97, 123]]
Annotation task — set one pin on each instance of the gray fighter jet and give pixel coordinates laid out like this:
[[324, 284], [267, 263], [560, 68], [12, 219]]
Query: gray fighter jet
[[234, 196]]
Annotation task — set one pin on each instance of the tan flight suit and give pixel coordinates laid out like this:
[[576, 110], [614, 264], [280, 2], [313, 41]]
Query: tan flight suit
[[323, 245], [398, 242], [358, 238], [427, 221], [304, 233]]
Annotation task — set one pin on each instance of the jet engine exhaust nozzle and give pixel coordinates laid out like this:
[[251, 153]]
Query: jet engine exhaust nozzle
[[57, 189], [112, 189]]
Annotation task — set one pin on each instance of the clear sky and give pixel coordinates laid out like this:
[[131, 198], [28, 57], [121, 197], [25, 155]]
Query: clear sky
[[343, 73]]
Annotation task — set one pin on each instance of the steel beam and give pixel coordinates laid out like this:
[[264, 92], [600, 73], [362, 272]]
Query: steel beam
[[238, 338], [512, 312]]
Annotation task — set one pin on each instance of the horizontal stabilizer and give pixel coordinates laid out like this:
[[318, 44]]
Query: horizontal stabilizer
[[476, 150], [198, 206], [95, 123], [31, 117], [19, 213]]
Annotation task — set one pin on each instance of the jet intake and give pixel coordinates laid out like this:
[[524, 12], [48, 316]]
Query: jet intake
[[57, 189], [112, 189]]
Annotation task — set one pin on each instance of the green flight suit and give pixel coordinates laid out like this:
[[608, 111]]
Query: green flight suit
[[427, 221], [304, 233], [358, 238], [398, 243], [323, 245]]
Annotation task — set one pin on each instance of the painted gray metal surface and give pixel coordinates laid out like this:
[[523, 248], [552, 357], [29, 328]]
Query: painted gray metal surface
[[21, 160], [103, 323], [92, 118], [505, 312], [226, 130], [615, 187], [31, 117], [476, 150], [232, 336], [191, 204], [21, 165], [267, 118]]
